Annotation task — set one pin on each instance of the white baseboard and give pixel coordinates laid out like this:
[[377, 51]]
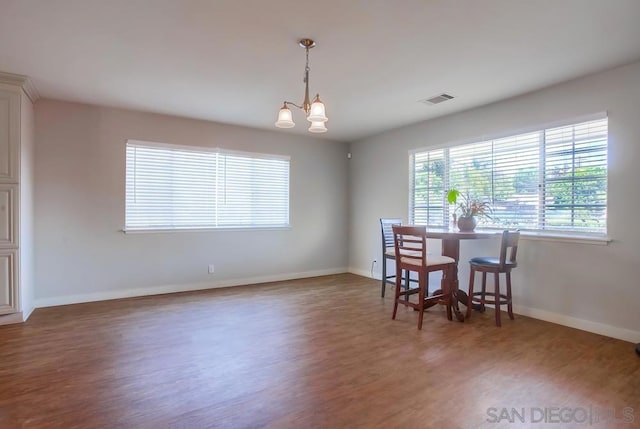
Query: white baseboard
[[27, 314], [364, 273], [548, 316], [557, 318], [158, 290], [582, 324]]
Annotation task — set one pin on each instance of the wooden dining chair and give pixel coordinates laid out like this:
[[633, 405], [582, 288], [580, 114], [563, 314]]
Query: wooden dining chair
[[388, 254], [496, 266], [410, 243]]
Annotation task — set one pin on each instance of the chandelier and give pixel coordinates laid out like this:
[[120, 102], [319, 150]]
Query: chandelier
[[313, 110]]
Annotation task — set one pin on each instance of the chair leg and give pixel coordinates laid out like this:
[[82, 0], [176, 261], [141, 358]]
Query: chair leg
[[509, 299], [449, 298], [484, 290], [384, 275], [497, 297], [484, 286], [472, 276], [407, 276], [422, 285], [395, 302]]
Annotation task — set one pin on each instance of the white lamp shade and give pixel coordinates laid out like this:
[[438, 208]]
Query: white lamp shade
[[285, 119], [316, 113], [317, 127]]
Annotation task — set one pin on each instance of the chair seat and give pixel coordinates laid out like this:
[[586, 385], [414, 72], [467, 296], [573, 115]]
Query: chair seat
[[431, 260], [488, 261]]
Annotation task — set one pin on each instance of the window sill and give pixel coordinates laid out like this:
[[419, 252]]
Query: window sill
[[598, 240], [162, 231]]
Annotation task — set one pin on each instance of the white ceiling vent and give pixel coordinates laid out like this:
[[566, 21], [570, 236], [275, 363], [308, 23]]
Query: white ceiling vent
[[437, 99]]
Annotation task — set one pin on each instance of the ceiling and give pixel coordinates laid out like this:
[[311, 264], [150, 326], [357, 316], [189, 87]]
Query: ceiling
[[236, 61]]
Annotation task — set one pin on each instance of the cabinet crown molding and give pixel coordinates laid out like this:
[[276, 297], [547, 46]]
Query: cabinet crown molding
[[22, 81]]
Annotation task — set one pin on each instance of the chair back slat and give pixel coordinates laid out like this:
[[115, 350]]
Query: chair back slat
[[410, 242], [387, 232], [509, 245]]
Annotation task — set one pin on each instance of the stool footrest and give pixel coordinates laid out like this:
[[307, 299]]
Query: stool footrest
[[504, 299]]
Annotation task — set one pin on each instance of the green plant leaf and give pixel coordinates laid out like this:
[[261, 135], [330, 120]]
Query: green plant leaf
[[452, 196]]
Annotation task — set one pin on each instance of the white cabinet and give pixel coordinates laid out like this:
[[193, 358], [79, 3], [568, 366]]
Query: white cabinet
[[8, 216], [9, 136], [8, 281], [11, 98]]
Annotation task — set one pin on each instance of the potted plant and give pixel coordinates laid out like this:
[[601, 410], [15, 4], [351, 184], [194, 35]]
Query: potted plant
[[467, 210]]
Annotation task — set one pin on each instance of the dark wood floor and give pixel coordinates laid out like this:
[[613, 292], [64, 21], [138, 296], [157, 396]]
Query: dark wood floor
[[319, 352]]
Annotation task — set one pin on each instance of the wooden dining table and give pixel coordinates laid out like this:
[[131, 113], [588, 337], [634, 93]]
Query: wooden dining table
[[451, 247]]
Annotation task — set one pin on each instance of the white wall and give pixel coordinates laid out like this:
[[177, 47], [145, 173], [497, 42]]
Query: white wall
[[27, 142], [588, 286], [81, 254]]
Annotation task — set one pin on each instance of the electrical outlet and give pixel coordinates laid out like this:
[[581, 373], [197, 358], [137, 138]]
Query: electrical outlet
[[212, 269]]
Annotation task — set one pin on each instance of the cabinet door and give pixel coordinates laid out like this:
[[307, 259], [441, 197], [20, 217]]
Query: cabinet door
[[9, 136], [8, 281], [8, 216]]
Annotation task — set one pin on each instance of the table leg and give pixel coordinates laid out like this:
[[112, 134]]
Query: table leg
[[451, 248], [450, 282]]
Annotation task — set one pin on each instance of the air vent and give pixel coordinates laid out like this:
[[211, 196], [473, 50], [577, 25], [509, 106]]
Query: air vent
[[437, 99]]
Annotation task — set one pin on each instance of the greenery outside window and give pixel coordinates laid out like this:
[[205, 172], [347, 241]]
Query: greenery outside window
[[552, 179]]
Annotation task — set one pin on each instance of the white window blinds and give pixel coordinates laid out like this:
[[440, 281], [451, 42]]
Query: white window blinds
[[550, 179], [178, 187], [428, 184]]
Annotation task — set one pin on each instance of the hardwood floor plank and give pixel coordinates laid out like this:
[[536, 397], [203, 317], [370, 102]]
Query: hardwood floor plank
[[320, 352]]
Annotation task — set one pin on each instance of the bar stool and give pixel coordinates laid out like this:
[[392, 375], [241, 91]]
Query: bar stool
[[389, 253], [496, 266], [410, 244]]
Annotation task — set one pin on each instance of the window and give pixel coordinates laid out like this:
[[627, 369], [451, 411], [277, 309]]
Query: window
[[178, 187], [552, 179]]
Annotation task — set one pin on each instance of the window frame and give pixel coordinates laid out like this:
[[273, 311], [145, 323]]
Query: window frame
[[203, 149], [572, 236]]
